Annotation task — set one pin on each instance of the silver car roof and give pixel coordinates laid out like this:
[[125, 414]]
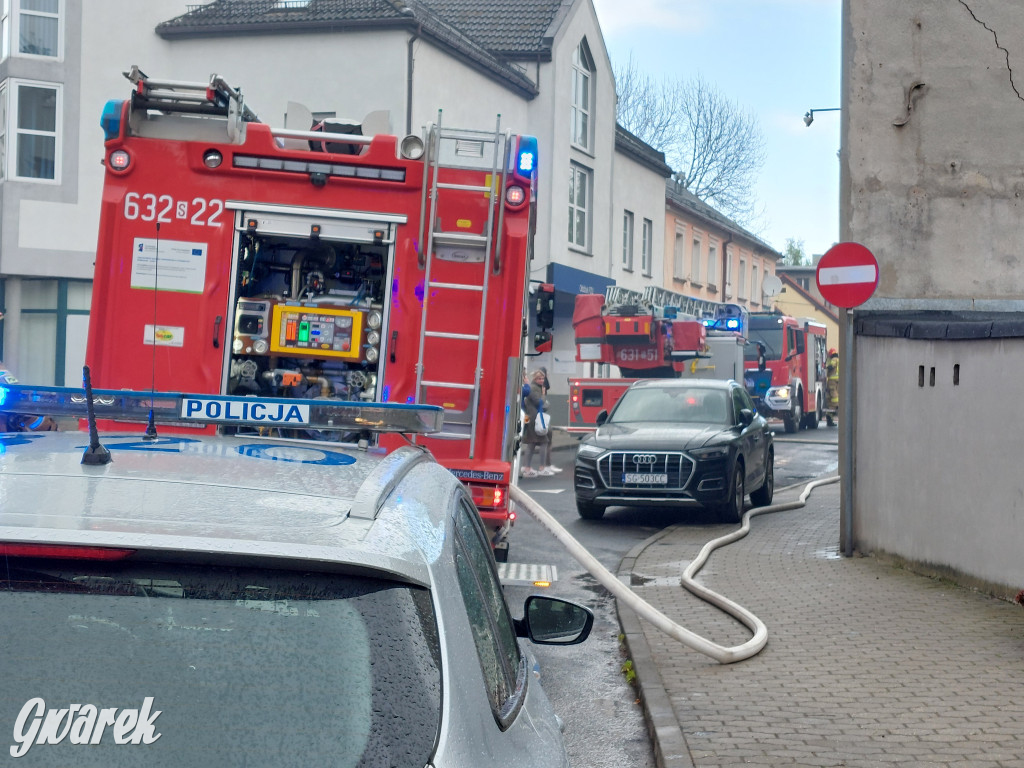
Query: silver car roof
[[226, 496]]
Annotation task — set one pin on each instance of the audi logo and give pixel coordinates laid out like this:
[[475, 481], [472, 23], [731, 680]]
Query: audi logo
[[644, 458]]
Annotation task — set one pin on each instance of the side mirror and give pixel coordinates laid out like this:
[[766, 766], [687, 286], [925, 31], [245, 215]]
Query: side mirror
[[602, 417], [553, 621], [746, 417], [544, 306]]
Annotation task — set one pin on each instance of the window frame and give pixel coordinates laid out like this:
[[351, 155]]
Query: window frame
[[581, 96], [4, 112], [471, 545], [741, 279], [696, 256], [627, 240], [727, 290], [11, 90], [580, 172], [713, 265], [11, 17], [647, 248], [679, 255], [60, 310]]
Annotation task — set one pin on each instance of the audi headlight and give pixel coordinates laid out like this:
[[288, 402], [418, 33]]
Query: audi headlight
[[713, 452], [589, 451]]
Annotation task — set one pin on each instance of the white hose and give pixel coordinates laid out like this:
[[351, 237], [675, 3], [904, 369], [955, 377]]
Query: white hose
[[646, 611]]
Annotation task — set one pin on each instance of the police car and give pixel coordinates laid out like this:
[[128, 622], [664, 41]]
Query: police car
[[188, 598]]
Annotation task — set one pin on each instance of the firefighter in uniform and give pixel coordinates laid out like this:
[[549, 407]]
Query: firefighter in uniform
[[832, 383]]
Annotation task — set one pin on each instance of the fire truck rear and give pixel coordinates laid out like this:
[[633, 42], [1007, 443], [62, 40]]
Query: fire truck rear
[[239, 259], [785, 369], [657, 333]]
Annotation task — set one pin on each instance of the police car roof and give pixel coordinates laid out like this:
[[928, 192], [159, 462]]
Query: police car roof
[[212, 495]]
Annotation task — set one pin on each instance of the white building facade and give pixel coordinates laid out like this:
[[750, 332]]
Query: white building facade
[[541, 65]]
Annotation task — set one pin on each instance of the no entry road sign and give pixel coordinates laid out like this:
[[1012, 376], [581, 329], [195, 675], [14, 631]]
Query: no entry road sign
[[847, 275]]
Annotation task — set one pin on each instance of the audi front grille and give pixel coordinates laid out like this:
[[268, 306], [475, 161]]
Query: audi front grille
[[614, 466]]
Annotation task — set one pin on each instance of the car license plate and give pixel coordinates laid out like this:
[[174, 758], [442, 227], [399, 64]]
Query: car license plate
[[645, 478]]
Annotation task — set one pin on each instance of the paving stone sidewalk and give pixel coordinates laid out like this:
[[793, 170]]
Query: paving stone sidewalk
[[866, 664]]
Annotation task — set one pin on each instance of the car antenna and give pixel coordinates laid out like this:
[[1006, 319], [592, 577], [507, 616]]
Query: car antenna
[[150, 433], [95, 454]]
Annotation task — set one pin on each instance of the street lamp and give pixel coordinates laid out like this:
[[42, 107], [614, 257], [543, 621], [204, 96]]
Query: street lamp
[[809, 117]]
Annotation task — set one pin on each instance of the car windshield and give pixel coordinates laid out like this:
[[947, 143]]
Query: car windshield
[[246, 667], [672, 404]]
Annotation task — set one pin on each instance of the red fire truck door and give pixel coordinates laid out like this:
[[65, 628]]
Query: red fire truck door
[[160, 308]]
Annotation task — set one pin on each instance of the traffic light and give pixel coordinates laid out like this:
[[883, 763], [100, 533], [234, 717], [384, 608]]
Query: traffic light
[[544, 306]]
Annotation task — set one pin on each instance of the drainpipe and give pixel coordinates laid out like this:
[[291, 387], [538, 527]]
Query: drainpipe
[[408, 80]]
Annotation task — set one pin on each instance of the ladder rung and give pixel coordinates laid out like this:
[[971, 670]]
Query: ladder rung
[[455, 133], [457, 286], [466, 187], [440, 335], [451, 384], [457, 238]]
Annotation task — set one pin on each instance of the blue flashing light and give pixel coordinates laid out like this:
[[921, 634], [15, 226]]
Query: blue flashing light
[[385, 394], [526, 161], [732, 325], [3, 395], [708, 323], [110, 120]]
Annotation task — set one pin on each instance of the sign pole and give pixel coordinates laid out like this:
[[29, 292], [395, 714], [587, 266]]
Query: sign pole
[[846, 422], [847, 276]]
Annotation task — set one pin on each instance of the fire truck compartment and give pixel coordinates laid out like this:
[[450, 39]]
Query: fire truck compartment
[[309, 305]]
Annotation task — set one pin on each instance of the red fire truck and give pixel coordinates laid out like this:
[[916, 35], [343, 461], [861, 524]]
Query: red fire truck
[[785, 368], [657, 333], [239, 259]]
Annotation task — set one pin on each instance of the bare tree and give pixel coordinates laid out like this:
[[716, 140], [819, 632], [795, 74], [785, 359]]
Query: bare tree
[[714, 146]]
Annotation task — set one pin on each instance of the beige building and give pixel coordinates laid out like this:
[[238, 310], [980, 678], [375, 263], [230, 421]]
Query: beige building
[[710, 257], [794, 300]]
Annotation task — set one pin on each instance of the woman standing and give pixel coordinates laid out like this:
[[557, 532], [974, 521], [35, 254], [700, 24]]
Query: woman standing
[[533, 403], [551, 432]]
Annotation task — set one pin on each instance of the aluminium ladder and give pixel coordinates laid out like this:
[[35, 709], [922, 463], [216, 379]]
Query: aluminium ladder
[[479, 150]]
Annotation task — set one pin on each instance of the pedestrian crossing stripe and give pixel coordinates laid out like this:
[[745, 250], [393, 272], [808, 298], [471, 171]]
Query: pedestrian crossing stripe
[[527, 574]]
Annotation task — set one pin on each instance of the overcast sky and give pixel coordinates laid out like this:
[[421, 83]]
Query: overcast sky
[[776, 58]]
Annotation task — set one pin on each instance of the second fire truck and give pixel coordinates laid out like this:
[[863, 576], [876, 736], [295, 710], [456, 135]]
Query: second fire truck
[[316, 262], [785, 368], [657, 333]]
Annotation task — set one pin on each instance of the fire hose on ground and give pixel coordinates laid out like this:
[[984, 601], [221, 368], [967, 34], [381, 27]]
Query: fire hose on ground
[[646, 611]]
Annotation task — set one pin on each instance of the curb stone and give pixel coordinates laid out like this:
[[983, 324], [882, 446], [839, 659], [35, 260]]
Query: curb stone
[[670, 747]]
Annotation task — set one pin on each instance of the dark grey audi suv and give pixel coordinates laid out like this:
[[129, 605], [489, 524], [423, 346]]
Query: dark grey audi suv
[[677, 443]]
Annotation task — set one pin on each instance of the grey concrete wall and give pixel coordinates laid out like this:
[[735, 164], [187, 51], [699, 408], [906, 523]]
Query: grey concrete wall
[[933, 185], [936, 190], [938, 466]]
